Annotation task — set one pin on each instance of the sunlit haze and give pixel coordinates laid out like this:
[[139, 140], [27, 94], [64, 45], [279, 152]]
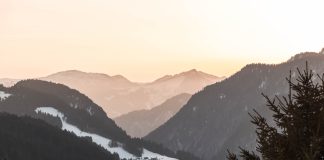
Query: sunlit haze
[[146, 39]]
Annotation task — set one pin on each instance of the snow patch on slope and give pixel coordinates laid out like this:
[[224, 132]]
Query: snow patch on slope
[[262, 85], [4, 95], [89, 110], [101, 141], [222, 96]]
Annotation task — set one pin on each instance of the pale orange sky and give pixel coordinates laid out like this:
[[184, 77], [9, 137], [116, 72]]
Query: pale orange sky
[[145, 39]]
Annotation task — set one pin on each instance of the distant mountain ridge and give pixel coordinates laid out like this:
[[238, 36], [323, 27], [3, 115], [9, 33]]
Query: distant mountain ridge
[[26, 96], [192, 72], [73, 111], [216, 118], [110, 92], [140, 123]]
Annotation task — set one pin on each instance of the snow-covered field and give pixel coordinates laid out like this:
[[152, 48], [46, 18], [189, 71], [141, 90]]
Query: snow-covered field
[[102, 141], [4, 95]]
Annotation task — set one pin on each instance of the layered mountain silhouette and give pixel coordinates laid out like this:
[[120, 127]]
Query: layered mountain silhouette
[[26, 96], [71, 110], [118, 96], [216, 118], [140, 123]]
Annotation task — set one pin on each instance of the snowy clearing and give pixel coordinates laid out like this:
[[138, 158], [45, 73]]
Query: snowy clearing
[[4, 95], [101, 141]]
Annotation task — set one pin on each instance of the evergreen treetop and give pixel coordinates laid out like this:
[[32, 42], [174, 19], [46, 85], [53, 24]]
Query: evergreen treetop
[[298, 133]]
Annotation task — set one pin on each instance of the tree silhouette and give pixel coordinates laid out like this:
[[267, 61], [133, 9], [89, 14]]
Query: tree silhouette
[[298, 133]]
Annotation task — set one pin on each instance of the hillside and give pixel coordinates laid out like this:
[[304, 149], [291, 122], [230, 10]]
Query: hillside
[[140, 123], [216, 119], [70, 110], [32, 139]]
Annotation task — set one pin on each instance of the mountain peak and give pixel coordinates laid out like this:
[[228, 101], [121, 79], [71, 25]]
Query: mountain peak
[[78, 73], [196, 73], [121, 78], [305, 55], [70, 72], [188, 74], [192, 71], [90, 75]]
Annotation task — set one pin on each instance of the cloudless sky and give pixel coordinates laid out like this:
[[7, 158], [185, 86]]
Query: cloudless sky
[[145, 39]]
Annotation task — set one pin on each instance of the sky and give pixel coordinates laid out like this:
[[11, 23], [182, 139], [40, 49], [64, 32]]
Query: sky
[[146, 39]]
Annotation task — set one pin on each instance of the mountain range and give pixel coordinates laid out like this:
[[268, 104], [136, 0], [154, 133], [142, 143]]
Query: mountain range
[[111, 92], [119, 96], [177, 112], [70, 110], [216, 118], [140, 123]]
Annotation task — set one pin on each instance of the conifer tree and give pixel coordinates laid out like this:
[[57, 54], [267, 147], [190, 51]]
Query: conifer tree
[[298, 133]]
